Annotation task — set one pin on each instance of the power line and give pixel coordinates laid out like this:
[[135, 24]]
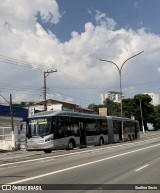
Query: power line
[[20, 63], [60, 73], [41, 67]]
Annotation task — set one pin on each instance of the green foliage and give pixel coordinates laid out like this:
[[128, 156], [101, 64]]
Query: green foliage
[[112, 107], [131, 107], [93, 107], [156, 117], [145, 98], [140, 102]]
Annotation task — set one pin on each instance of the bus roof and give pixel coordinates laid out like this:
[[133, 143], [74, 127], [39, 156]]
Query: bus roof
[[75, 114], [64, 113]]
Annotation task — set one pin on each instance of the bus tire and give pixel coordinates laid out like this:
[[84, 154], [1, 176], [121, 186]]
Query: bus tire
[[130, 138], [47, 151], [71, 144], [101, 141]]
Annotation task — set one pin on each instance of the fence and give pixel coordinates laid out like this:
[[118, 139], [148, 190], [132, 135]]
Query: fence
[[6, 140]]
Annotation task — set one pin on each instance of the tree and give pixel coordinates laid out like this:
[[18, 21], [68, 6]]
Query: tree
[[112, 107], [147, 109], [155, 118], [129, 107], [93, 107]]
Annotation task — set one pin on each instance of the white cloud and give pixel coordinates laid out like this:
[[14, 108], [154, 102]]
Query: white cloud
[[21, 14], [102, 20], [22, 37]]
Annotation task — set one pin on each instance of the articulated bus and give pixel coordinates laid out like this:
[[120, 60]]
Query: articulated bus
[[51, 130]]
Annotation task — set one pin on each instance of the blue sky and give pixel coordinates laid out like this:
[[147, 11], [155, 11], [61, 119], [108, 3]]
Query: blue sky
[[127, 13], [68, 35]]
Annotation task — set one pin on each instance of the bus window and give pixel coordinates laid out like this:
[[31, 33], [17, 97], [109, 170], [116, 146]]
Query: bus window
[[68, 126], [117, 130], [116, 126], [128, 127], [74, 125], [40, 127], [61, 126], [90, 126], [103, 126]]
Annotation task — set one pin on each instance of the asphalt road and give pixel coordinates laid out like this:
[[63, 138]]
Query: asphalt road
[[118, 167]]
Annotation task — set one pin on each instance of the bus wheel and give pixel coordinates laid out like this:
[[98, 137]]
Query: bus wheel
[[130, 138], [70, 145], [47, 151], [101, 142]]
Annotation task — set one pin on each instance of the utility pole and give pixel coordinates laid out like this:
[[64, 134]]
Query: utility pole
[[46, 73], [12, 124]]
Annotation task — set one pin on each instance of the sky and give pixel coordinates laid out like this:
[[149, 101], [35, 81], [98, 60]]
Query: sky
[[69, 36]]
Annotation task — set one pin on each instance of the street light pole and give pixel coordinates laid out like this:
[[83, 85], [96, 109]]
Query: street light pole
[[140, 104], [46, 73], [120, 77]]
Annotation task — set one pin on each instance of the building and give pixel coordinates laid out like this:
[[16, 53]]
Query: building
[[12, 137], [17, 112], [56, 105], [155, 98], [112, 95]]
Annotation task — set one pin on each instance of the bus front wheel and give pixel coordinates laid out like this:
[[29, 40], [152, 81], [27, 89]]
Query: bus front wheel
[[71, 145], [47, 151], [101, 142]]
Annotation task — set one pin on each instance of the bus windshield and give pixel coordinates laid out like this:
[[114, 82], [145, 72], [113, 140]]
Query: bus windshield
[[40, 127]]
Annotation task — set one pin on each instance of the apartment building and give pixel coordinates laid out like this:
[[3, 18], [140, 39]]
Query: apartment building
[[155, 98], [112, 95]]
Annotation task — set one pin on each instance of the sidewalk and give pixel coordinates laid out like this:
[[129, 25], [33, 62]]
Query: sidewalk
[[150, 133], [14, 156]]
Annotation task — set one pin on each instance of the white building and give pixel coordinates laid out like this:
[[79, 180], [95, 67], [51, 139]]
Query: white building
[[155, 98], [56, 105], [114, 96]]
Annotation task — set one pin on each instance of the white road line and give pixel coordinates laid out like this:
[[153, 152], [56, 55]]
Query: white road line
[[142, 167], [81, 165]]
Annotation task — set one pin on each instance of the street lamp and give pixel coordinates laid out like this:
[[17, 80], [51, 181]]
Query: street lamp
[[120, 77], [140, 104]]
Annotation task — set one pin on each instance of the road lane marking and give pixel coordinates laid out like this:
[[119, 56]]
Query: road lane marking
[[142, 167], [81, 165]]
